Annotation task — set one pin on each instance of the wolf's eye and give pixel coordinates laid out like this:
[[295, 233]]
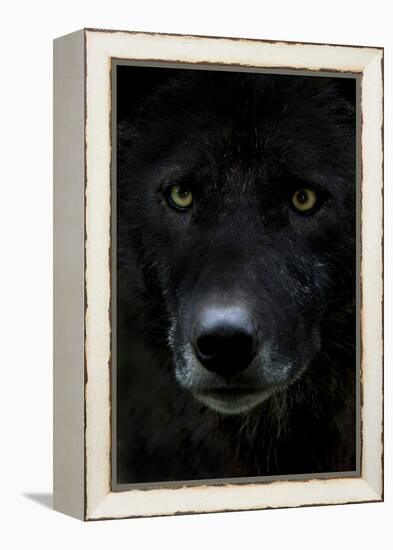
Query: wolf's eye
[[304, 199], [179, 197]]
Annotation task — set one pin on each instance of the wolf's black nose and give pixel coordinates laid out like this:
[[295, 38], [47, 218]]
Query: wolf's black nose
[[225, 339]]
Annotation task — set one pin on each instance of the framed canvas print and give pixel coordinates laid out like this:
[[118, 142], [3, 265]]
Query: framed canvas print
[[218, 274]]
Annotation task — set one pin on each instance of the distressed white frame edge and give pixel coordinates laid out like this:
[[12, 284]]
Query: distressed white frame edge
[[100, 47], [69, 274]]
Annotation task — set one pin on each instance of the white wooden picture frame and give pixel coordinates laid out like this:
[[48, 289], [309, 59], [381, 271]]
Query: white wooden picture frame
[[82, 272]]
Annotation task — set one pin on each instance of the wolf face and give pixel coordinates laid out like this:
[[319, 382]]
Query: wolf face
[[237, 200]]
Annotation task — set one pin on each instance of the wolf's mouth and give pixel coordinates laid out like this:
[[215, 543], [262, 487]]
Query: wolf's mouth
[[233, 400]]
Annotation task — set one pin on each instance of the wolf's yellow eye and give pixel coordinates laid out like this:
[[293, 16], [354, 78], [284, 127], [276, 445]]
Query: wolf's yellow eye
[[180, 197], [304, 199]]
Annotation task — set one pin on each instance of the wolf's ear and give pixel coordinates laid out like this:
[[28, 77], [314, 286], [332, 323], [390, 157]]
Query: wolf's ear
[[135, 83]]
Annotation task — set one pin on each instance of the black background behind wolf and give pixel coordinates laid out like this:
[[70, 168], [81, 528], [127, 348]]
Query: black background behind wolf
[[243, 144]]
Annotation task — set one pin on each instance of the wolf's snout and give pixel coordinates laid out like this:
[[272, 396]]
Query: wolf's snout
[[225, 339]]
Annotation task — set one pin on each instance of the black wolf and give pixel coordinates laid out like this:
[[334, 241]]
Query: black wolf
[[236, 276]]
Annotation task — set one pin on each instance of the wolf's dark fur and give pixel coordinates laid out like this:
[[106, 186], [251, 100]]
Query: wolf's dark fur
[[243, 143]]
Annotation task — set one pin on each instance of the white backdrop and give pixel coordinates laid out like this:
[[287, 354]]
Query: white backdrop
[[26, 272]]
